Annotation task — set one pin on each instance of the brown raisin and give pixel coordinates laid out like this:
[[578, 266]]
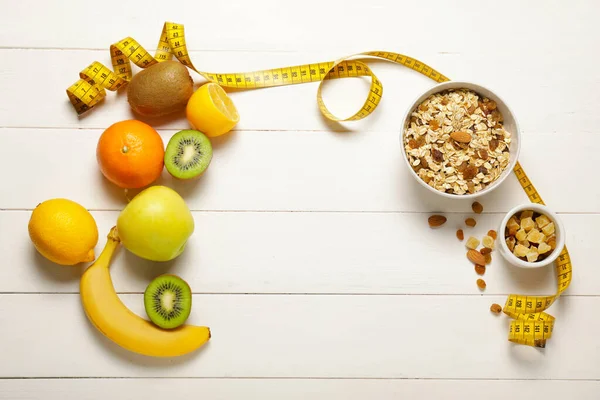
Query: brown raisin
[[494, 144], [477, 207], [434, 125], [480, 269], [412, 143], [462, 167], [483, 154], [482, 170], [496, 308], [471, 187], [485, 250], [460, 235], [491, 105], [420, 141], [423, 107], [444, 101], [492, 233], [470, 222], [481, 284], [470, 172], [437, 156], [488, 259], [424, 162], [471, 109]]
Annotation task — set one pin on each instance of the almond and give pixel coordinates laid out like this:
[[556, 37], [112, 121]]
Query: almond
[[462, 137], [436, 220], [476, 257]]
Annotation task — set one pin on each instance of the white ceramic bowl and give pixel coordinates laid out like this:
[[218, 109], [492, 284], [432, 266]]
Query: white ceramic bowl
[[559, 232], [510, 125]]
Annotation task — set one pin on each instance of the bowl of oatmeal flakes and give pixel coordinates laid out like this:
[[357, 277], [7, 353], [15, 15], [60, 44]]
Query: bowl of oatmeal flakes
[[460, 140]]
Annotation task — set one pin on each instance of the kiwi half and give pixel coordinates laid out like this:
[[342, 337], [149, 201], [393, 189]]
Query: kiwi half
[[168, 301], [188, 154]]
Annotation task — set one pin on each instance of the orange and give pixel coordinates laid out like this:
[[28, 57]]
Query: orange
[[130, 154]]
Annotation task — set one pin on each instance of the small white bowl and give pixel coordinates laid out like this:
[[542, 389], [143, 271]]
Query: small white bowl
[[510, 125], [558, 228]]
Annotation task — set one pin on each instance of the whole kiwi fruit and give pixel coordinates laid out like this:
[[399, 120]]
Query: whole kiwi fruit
[[160, 89]]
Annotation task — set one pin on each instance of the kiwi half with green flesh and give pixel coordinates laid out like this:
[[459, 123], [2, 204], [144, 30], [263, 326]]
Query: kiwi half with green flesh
[[188, 154], [168, 301]]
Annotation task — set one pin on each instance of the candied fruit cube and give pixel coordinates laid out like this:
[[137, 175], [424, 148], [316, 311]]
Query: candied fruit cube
[[521, 234], [542, 221], [544, 248], [472, 243], [520, 250], [526, 214], [535, 236], [510, 243], [548, 229], [524, 243], [527, 224], [488, 242], [532, 255], [512, 223]]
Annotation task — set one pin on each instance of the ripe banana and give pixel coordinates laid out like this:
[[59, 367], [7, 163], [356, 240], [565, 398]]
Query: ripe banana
[[111, 317]]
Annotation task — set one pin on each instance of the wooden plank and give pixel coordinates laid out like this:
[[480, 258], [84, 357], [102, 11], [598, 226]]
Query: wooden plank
[[294, 389], [265, 25], [299, 171], [522, 86], [361, 253], [283, 336]]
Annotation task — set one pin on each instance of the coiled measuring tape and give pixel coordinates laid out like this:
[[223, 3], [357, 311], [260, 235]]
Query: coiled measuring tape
[[531, 325]]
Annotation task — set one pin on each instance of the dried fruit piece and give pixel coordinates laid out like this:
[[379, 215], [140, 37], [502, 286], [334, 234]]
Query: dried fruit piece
[[512, 223], [543, 248], [511, 242], [520, 250], [552, 242], [494, 144], [470, 172], [437, 156], [485, 250], [521, 235], [535, 236], [475, 257], [496, 308], [524, 243], [481, 284], [532, 255], [526, 214], [412, 143], [460, 235], [483, 154], [472, 243], [436, 220], [488, 259], [542, 221], [434, 125], [488, 242], [513, 231], [462, 137], [421, 141], [480, 269], [477, 207], [527, 224], [493, 234], [548, 229], [470, 222]]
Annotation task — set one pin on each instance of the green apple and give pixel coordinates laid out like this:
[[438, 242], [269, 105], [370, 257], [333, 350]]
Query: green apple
[[156, 224]]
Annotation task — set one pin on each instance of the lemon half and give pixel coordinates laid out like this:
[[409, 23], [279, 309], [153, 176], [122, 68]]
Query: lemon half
[[211, 111]]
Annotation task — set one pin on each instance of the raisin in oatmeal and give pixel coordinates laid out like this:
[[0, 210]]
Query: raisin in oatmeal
[[456, 142]]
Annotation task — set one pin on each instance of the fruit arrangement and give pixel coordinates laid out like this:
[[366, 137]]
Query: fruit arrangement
[[156, 224]]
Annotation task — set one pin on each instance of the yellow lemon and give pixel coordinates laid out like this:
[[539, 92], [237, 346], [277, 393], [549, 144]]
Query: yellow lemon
[[211, 111], [63, 231]]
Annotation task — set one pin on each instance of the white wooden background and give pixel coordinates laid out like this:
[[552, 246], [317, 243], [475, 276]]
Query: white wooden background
[[312, 261]]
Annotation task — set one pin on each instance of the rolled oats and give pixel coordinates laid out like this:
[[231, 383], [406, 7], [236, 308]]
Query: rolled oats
[[460, 136]]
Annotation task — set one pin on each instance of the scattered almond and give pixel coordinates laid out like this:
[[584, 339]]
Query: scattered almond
[[462, 137], [460, 235], [476, 257], [477, 207], [480, 269], [436, 220], [472, 243], [485, 250], [493, 234], [481, 284], [470, 222], [496, 308]]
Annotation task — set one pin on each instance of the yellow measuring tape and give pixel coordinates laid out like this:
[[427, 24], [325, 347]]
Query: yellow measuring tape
[[530, 326]]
